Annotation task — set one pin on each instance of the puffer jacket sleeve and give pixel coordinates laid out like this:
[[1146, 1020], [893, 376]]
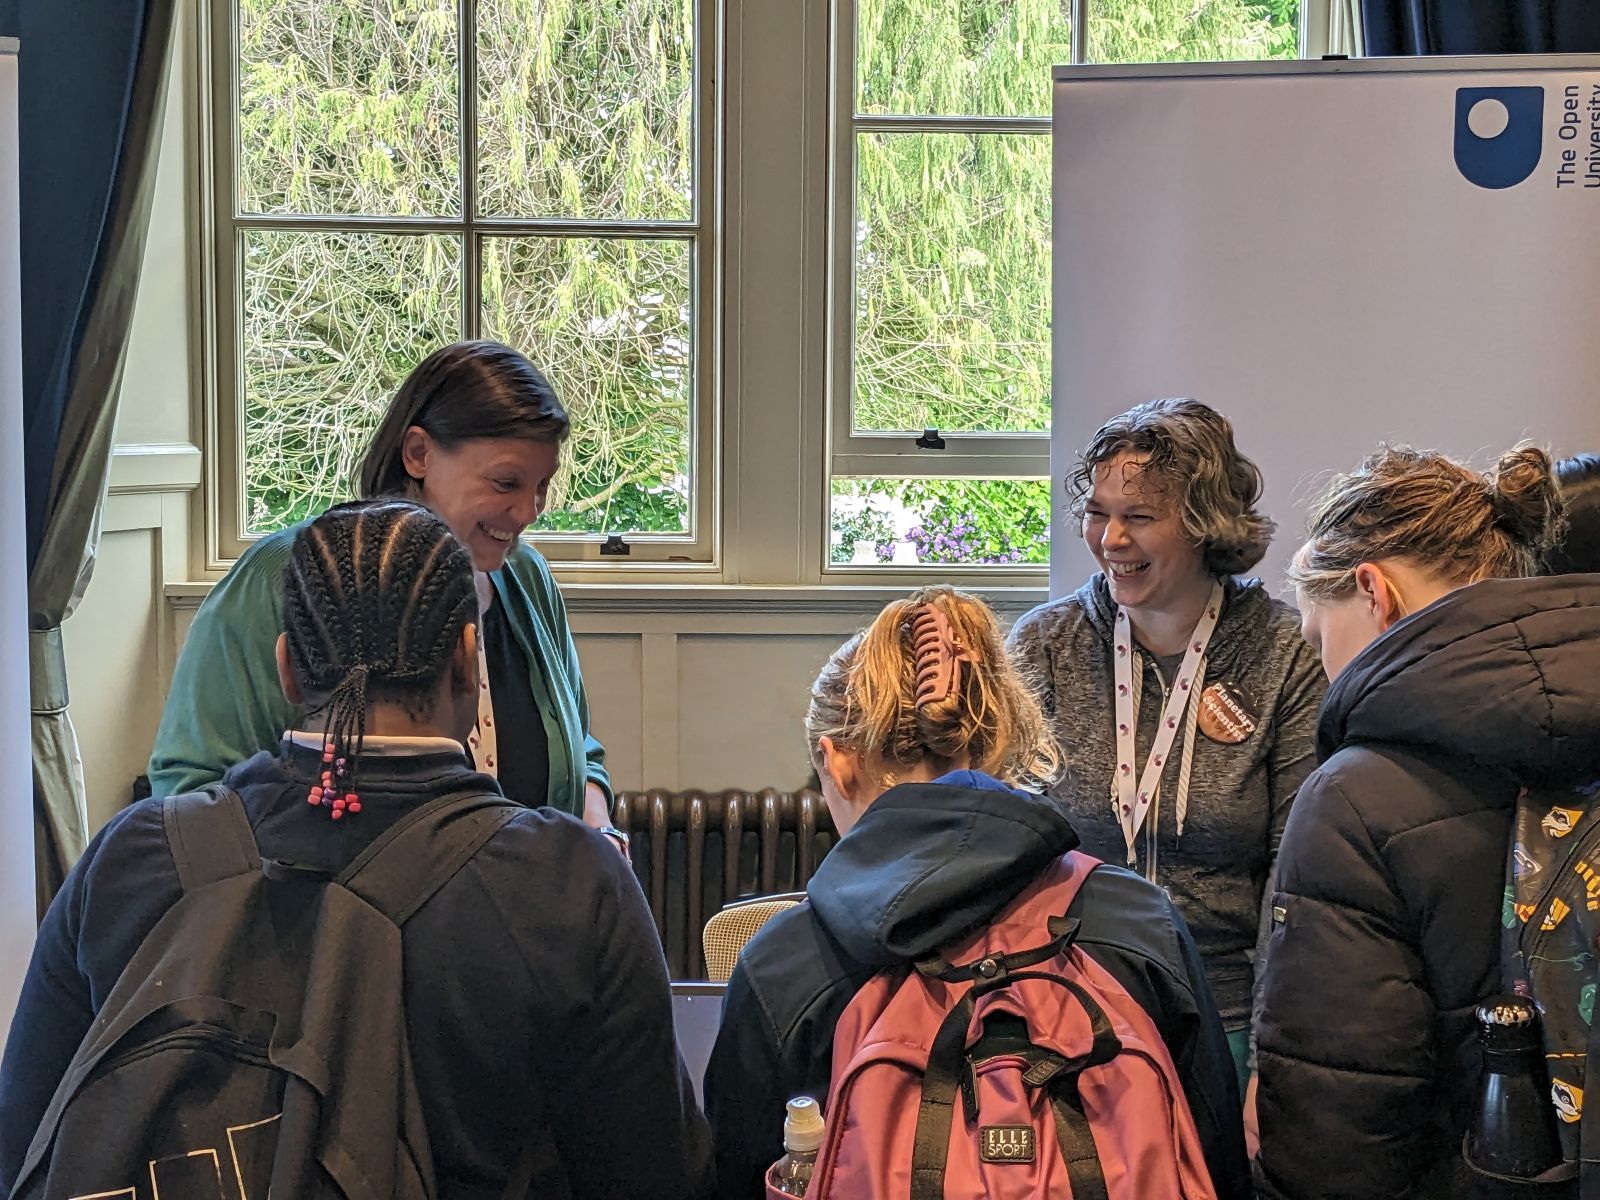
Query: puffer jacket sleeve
[[1345, 1043]]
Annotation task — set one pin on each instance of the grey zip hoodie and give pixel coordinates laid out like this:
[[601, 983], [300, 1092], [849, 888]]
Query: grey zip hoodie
[[1239, 794]]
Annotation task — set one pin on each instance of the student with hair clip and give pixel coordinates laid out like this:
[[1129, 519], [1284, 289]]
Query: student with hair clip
[[1456, 684], [474, 433], [536, 998], [1182, 693], [935, 793]]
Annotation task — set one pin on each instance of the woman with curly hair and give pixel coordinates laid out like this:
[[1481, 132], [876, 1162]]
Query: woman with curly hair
[[1184, 698]]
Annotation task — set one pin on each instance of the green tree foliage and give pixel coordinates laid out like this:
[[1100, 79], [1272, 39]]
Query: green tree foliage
[[585, 111], [349, 108], [953, 244]]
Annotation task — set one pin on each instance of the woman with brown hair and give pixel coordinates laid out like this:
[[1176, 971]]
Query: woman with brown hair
[[1456, 684], [931, 771], [475, 434], [1183, 697]]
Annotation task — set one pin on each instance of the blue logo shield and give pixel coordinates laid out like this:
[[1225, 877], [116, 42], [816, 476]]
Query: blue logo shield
[[1509, 156]]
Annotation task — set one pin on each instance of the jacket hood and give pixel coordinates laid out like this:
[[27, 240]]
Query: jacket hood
[[1504, 674], [929, 862]]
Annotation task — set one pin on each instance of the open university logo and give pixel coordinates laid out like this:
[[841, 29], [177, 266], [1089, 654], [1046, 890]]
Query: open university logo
[[1499, 134]]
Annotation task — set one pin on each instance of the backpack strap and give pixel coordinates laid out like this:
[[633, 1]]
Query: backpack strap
[[209, 836], [422, 851], [1076, 1142], [946, 1072]]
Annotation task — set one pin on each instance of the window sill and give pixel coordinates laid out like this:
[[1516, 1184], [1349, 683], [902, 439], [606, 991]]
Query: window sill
[[718, 598]]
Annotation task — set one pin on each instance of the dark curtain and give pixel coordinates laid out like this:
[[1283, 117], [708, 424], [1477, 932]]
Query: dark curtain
[[93, 81], [1399, 27]]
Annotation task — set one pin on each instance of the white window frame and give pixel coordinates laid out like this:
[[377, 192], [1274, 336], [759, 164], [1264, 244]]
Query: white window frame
[[896, 455], [223, 416]]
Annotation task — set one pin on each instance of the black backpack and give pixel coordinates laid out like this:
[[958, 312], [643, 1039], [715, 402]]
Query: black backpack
[[256, 1042], [1550, 923]]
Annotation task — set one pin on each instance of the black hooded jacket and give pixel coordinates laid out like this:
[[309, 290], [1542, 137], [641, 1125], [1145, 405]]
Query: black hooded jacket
[[1391, 878], [926, 864]]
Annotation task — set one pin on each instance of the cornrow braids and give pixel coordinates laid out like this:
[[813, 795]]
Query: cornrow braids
[[376, 594]]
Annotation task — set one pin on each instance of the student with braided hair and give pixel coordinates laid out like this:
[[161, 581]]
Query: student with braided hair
[[475, 434], [536, 999], [932, 751]]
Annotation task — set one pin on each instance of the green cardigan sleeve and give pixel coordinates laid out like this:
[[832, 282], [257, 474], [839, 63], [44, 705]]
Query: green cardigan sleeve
[[225, 703], [541, 620]]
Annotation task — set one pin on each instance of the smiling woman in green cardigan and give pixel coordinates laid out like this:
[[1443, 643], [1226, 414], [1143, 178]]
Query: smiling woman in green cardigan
[[474, 433]]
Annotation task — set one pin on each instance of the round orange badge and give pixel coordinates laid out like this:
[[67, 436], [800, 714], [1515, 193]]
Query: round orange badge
[[1227, 713]]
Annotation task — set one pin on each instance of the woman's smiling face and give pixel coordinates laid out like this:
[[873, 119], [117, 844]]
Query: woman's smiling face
[[488, 490]]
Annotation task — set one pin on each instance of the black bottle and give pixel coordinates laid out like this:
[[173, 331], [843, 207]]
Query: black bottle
[[1514, 1128]]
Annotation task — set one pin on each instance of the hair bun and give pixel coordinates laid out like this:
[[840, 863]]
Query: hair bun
[[1526, 498]]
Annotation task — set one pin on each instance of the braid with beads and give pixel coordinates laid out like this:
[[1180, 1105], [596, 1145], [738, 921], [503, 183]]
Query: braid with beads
[[376, 594]]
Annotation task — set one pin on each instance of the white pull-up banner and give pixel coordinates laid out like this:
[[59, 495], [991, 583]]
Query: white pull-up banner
[[1333, 255], [17, 895]]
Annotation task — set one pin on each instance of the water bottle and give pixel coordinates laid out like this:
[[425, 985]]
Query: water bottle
[[802, 1136], [1513, 1131]]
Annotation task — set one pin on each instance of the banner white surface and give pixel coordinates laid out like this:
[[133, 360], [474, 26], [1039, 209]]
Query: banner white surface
[[1331, 254], [17, 901]]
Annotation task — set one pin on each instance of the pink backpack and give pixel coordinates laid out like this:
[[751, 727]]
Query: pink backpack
[[1024, 1071]]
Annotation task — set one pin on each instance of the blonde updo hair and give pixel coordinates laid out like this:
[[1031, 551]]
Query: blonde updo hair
[[1437, 513], [865, 698]]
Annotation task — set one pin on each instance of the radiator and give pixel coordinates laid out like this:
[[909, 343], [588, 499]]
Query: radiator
[[695, 851]]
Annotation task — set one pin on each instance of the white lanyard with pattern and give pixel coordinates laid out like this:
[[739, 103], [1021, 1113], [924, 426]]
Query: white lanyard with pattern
[[1133, 798], [481, 742]]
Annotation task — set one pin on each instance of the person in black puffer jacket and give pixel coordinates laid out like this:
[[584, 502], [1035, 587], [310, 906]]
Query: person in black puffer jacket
[[1455, 684]]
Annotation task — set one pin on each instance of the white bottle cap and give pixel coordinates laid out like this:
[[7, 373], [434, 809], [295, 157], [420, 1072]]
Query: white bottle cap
[[802, 1128]]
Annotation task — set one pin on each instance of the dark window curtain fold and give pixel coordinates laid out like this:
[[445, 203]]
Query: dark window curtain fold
[[1405, 27], [93, 82]]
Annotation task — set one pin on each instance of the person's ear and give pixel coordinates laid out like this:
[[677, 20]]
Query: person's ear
[[843, 767], [416, 447], [1378, 594], [464, 661], [286, 676]]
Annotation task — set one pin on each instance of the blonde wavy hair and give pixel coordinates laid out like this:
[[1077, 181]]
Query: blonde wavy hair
[[865, 698], [1427, 508]]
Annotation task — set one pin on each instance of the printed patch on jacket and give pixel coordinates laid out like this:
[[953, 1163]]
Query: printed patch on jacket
[[1591, 885], [1568, 1101], [1559, 822], [1006, 1143], [1523, 863], [1557, 914], [1586, 1003]]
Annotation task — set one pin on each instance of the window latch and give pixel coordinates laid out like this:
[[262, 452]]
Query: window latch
[[615, 546], [930, 440]]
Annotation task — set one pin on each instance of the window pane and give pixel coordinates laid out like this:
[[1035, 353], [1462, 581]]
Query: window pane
[[967, 522], [609, 320], [586, 110], [952, 317], [959, 57], [1122, 31], [332, 323], [348, 108]]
